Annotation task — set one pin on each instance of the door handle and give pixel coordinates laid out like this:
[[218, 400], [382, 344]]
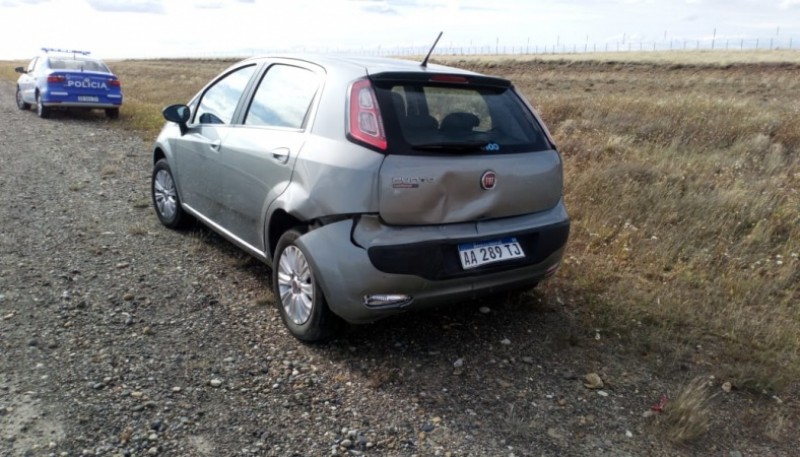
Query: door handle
[[281, 154], [214, 145]]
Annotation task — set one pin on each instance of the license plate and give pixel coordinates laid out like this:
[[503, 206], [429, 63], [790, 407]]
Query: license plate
[[87, 98], [474, 255]]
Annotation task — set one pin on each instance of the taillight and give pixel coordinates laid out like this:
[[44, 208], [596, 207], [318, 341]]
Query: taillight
[[114, 83], [366, 124], [56, 79]]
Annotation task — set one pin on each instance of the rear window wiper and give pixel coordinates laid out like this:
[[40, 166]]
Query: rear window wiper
[[475, 146]]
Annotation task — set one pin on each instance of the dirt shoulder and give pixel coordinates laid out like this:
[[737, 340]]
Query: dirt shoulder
[[120, 337]]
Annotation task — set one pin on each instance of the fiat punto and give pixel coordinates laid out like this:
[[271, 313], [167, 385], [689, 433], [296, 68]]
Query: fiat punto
[[370, 186]]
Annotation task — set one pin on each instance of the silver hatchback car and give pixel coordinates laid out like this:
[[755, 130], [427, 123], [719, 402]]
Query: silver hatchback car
[[370, 186]]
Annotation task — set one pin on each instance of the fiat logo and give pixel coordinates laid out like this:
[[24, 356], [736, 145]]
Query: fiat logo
[[488, 180]]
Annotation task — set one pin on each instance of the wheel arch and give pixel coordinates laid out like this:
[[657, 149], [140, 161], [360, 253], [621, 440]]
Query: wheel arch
[[158, 154], [280, 221]]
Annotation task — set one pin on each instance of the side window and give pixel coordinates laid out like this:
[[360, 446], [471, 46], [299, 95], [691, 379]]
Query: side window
[[283, 97], [32, 65], [219, 102]]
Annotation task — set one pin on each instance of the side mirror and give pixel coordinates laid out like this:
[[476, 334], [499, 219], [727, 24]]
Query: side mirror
[[178, 114], [20, 70]]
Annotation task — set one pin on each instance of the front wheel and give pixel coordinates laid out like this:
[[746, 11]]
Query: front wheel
[[41, 110], [165, 197], [302, 305], [20, 102]]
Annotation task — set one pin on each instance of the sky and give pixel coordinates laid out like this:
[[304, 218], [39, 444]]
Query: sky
[[216, 28]]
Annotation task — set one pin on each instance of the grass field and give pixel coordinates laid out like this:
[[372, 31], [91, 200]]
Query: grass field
[[683, 182]]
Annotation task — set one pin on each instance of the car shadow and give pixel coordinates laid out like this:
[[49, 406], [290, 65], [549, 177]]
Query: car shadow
[[77, 115], [486, 365]]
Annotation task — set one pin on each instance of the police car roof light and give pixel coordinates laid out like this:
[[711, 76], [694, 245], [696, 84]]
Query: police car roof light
[[66, 51]]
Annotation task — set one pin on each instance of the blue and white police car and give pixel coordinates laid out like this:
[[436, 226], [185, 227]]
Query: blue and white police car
[[60, 78]]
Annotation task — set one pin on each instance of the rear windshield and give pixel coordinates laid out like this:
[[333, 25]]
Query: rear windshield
[[427, 117], [78, 64]]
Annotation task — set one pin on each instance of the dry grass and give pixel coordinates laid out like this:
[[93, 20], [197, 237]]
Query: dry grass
[[138, 229], [683, 182], [150, 85], [682, 178], [688, 416]]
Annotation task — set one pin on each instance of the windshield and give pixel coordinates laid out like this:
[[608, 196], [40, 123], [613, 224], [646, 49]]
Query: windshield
[[430, 117]]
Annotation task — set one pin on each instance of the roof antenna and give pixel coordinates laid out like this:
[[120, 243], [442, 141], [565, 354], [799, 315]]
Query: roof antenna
[[424, 63]]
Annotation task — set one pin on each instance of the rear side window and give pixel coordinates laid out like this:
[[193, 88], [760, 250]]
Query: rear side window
[[429, 117], [283, 97]]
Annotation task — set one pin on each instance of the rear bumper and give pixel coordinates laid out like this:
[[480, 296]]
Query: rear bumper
[[65, 99], [339, 252]]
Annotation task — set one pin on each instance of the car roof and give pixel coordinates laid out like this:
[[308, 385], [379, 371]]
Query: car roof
[[368, 64]]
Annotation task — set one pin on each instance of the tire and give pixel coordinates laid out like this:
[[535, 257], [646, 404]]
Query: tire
[[41, 110], [165, 197], [112, 113], [20, 102], [300, 300]]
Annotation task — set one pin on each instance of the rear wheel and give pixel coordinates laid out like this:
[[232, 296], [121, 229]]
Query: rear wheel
[[41, 110], [112, 113], [20, 102], [302, 305], [165, 197]]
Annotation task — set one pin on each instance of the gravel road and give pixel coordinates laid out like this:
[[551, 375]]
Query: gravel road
[[119, 337]]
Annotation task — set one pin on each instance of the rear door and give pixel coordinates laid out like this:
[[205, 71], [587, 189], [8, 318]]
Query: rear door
[[27, 81], [462, 149], [260, 155]]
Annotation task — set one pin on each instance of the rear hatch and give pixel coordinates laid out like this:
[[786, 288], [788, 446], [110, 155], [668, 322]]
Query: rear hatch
[[461, 148]]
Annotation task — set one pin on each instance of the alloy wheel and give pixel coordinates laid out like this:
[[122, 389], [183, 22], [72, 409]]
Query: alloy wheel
[[165, 194], [295, 284]]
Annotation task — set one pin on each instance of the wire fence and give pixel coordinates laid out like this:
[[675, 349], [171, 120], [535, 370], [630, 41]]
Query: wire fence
[[498, 48], [578, 48]]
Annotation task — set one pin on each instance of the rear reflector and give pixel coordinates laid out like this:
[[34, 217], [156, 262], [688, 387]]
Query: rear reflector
[[365, 123], [387, 300]]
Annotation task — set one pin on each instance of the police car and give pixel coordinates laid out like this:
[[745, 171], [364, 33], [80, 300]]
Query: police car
[[61, 78]]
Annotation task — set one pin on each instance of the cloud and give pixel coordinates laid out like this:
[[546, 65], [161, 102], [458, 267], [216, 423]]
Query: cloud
[[208, 5], [216, 4], [380, 9], [13, 3], [128, 6]]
